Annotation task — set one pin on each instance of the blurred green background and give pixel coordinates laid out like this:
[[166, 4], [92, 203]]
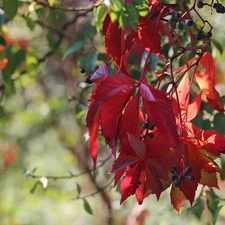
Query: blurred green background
[[42, 125]]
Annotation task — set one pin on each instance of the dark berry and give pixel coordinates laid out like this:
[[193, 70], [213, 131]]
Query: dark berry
[[182, 177], [219, 8], [88, 80], [173, 170], [177, 15], [203, 36], [209, 34], [189, 23], [82, 70], [198, 36], [187, 170], [177, 183], [171, 20], [222, 9], [215, 5], [173, 178], [180, 26], [151, 135], [200, 4], [151, 126], [191, 178], [145, 125]]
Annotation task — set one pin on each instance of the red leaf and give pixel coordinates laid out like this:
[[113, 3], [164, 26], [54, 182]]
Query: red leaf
[[211, 141], [194, 107], [209, 179], [93, 122], [130, 122], [206, 80], [208, 62], [183, 91], [177, 197], [159, 168], [137, 145], [162, 116], [153, 180], [146, 92], [163, 28], [130, 182], [100, 73], [115, 44], [112, 85], [132, 113], [123, 161], [140, 188], [111, 111], [148, 36]]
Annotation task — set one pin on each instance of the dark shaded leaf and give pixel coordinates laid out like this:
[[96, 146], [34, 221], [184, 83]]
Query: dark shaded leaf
[[10, 7], [87, 207], [73, 48]]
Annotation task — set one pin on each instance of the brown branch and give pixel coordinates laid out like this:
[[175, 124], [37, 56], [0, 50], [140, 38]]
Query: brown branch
[[28, 174], [61, 36], [68, 9], [93, 193]]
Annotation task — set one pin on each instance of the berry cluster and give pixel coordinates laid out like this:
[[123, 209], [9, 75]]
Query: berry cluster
[[178, 18], [218, 7], [88, 79], [150, 128], [177, 178]]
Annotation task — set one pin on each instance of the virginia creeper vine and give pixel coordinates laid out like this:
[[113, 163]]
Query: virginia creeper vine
[[159, 145]]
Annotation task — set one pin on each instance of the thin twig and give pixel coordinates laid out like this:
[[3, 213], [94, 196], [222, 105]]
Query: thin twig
[[71, 174], [93, 193], [68, 9]]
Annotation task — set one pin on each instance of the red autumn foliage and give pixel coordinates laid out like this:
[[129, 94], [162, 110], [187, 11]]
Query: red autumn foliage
[[159, 145]]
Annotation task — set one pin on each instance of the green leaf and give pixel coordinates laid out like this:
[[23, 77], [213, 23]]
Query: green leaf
[[154, 59], [2, 112], [141, 6], [30, 23], [218, 123], [33, 189], [73, 48], [213, 204], [24, 170], [87, 207], [133, 20], [223, 169], [51, 2], [88, 61], [79, 116], [34, 170], [198, 208], [10, 7], [15, 56], [87, 32], [99, 14], [78, 190], [51, 41], [2, 40], [218, 45]]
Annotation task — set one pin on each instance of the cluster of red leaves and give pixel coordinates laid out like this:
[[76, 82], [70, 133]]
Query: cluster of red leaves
[[120, 105]]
